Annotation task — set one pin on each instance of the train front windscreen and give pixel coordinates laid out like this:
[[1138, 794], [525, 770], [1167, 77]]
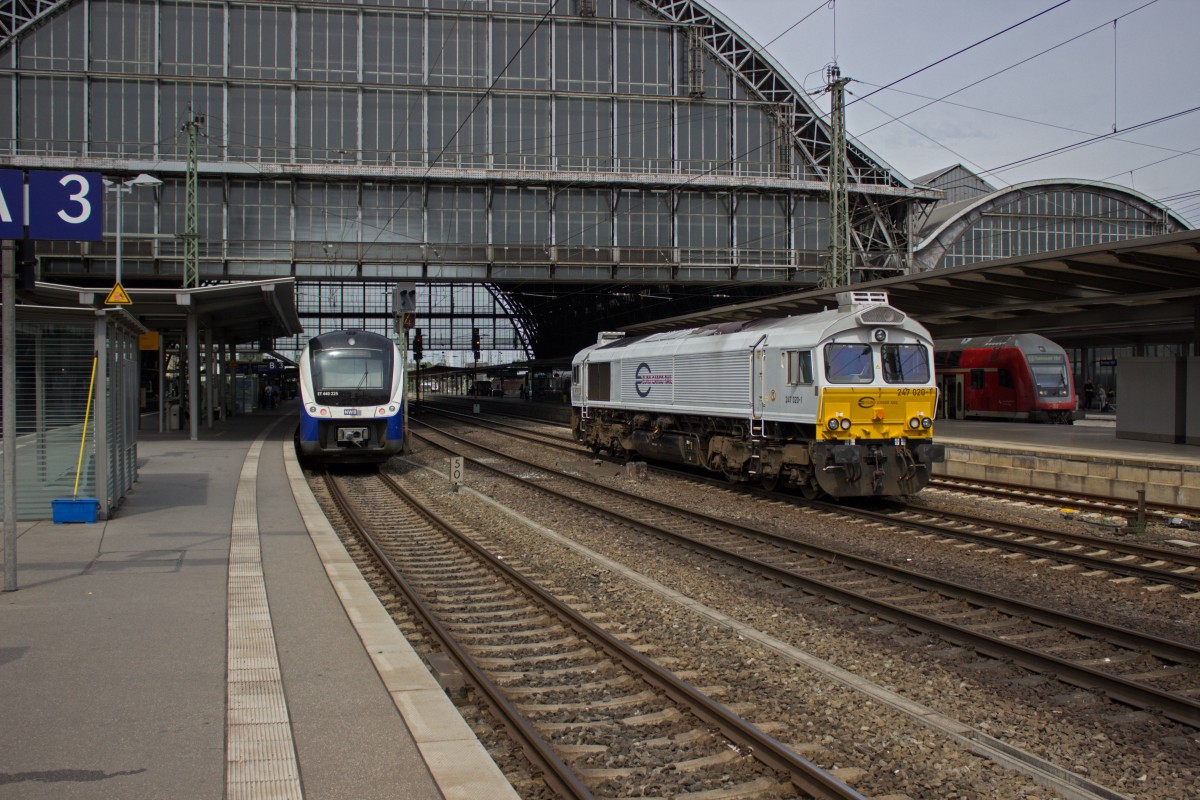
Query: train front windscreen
[[352, 376], [1049, 373]]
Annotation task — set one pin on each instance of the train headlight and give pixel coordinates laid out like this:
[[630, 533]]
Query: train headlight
[[845, 423], [312, 409], [914, 423], [833, 423], [927, 422], [880, 335]]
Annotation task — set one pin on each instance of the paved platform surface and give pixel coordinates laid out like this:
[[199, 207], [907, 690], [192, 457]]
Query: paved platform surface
[[213, 640]]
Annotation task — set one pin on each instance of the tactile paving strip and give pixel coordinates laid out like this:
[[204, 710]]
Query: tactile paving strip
[[260, 755]]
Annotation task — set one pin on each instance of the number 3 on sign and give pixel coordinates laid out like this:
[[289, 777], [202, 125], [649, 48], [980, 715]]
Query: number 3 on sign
[[456, 472]]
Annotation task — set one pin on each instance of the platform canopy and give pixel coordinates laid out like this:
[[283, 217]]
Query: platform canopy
[[241, 312], [1138, 290]]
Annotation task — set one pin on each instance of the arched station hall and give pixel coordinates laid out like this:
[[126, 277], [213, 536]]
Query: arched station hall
[[541, 170]]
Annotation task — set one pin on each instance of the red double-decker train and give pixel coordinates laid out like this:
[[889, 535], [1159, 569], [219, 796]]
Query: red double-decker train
[[1023, 377]]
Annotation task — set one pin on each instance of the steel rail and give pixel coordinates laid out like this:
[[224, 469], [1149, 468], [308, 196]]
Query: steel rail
[[1177, 707], [560, 777], [803, 773]]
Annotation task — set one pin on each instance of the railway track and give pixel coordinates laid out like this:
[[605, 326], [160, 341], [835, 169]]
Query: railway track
[[1141, 671], [1157, 566], [597, 718]]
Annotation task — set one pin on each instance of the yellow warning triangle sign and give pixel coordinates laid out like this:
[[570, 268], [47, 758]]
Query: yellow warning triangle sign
[[118, 296]]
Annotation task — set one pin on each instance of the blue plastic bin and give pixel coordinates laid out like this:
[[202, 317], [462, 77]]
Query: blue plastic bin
[[79, 510]]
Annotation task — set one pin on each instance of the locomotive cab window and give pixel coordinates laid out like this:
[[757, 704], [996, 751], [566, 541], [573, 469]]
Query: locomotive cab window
[[849, 363], [799, 367], [905, 363]]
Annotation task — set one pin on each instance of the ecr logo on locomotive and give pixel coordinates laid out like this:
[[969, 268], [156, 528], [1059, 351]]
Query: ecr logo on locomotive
[[644, 380]]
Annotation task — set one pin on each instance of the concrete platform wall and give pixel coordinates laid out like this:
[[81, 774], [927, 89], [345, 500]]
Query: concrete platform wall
[[1165, 481]]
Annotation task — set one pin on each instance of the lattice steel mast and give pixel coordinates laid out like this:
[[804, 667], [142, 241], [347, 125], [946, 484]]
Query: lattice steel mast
[[191, 204], [837, 269]]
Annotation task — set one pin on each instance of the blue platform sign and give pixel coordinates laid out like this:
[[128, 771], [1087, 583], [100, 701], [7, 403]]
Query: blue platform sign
[[66, 205], [12, 204]]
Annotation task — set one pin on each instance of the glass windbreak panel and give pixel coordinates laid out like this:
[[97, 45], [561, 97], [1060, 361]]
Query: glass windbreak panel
[[704, 137], [326, 212], [583, 58], [643, 60], [583, 218], [644, 221], [457, 130], [458, 51], [905, 363], [457, 214], [703, 224], [325, 121], [351, 375], [848, 363], [392, 48], [520, 216], [643, 136], [392, 128], [263, 132], [123, 36], [50, 118], [761, 227], [192, 39], [260, 42], [179, 102], [122, 115], [521, 54], [60, 46], [520, 131], [391, 213], [583, 139], [327, 45]]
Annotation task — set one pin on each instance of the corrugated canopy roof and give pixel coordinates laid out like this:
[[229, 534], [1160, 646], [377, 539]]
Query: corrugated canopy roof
[[237, 312], [1145, 289]]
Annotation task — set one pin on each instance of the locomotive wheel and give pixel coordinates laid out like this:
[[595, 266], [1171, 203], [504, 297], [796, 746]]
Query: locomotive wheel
[[809, 489], [769, 482]]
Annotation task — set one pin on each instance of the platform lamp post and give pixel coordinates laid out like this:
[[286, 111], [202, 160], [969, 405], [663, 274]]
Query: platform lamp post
[[124, 187]]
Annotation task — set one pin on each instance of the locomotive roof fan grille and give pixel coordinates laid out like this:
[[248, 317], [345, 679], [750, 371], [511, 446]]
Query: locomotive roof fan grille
[[878, 312]]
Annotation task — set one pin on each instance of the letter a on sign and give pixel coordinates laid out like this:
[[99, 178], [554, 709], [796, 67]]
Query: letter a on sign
[[118, 296]]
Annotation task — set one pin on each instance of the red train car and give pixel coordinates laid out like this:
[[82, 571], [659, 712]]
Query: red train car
[[1022, 377]]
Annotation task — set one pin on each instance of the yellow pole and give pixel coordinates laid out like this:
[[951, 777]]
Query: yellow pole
[[83, 437]]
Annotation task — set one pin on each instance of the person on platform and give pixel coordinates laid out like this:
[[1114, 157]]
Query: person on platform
[[1089, 391], [1103, 399]]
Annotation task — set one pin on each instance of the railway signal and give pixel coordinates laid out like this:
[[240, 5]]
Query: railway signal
[[475, 348], [418, 346]]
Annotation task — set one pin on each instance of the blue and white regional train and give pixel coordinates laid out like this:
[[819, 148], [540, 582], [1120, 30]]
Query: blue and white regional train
[[837, 403], [351, 398]]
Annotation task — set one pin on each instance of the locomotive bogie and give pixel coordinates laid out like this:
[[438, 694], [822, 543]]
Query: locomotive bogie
[[840, 402]]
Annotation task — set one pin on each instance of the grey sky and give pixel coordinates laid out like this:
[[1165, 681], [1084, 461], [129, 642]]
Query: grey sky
[[1062, 97]]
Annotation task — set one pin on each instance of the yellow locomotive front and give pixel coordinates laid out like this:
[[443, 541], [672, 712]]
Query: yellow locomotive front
[[874, 433]]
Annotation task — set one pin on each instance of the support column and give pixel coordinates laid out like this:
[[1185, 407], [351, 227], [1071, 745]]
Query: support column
[[210, 375], [162, 381], [103, 447], [193, 369]]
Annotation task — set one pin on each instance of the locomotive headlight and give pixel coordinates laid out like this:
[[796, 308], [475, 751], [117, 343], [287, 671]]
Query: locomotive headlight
[[879, 334], [312, 409], [927, 422], [845, 423], [833, 423], [914, 423]]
